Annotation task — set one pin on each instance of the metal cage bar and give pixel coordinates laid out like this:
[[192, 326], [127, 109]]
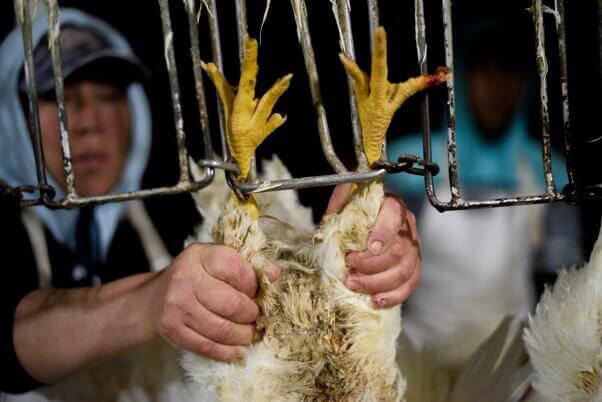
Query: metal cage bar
[[564, 93], [348, 48], [342, 12], [172, 71], [198, 77], [542, 69], [373, 17], [216, 49], [457, 202], [304, 37], [32, 97], [54, 44]]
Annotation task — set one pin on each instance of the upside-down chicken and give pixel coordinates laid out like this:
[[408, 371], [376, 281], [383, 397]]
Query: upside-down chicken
[[321, 341]]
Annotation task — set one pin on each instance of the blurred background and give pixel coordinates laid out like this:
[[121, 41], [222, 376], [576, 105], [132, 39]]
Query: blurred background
[[297, 142]]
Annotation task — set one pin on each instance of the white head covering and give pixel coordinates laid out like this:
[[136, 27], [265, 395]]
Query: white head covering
[[17, 163]]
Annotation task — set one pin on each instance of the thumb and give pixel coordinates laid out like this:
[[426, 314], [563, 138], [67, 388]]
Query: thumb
[[338, 199]]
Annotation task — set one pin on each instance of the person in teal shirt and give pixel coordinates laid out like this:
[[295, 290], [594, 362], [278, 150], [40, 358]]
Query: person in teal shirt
[[480, 265]]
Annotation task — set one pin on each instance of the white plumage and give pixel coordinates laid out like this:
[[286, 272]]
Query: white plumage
[[564, 338], [321, 340]]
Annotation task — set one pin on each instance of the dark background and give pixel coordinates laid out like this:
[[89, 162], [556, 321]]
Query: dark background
[[297, 142]]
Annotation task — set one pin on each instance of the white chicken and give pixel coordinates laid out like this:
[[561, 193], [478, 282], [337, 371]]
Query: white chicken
[[564, 336], [321, 341]]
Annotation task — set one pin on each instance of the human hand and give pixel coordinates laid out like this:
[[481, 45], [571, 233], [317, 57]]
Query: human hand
[[390, 269], [204, 302]]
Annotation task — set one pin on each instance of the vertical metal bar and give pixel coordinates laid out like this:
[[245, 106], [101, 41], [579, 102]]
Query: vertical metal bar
[[421, 51], [451, 102], [373, 17], [348, 48], [374, 21], [569, 140], [55, 51], [170, 60], [198, 78], [542, 69], [241, 25], [216, 49], [32, 95], [314, 84], [242, 30]]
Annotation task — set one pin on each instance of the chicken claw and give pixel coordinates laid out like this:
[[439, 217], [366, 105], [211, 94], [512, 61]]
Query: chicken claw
[[378, 99], [248, 120]]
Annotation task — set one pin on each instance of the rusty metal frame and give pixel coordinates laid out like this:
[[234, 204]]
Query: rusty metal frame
[[342, 12], [552, 194]]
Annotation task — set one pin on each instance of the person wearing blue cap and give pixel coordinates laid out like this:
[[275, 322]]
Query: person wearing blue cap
[[90, 282]]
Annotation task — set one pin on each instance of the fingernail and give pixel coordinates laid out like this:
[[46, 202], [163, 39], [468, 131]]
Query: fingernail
[[257, 335], [380, 301], [376, 247], [349, 260]]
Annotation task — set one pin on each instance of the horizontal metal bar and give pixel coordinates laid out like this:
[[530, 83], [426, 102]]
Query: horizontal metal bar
[[126, 196], [460, 204], [217, 164], [308, 182]]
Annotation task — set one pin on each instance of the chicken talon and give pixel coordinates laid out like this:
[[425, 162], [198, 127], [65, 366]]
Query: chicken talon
[[379, 100], [248, 120]]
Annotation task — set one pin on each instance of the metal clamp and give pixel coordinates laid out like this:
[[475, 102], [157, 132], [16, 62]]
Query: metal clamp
[[16, 193], [405, 163]]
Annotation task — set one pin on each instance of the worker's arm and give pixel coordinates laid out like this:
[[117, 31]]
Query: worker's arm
[[202, 302]]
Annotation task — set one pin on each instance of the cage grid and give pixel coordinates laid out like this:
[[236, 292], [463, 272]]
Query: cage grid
[[411, 164]]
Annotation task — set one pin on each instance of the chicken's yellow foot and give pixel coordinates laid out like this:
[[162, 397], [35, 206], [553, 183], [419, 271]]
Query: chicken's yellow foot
[[378, 99], [248, 120]]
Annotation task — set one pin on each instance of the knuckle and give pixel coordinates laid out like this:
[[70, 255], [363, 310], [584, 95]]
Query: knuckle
[[232, 306], [235, 271], [363, 284], [397, 251], [404, 274], [224, 330], [167, 327], [207, 348], [171, 301]]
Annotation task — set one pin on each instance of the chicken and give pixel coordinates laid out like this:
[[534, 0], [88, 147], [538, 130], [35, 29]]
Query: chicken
[[564, 335], [321, 341]]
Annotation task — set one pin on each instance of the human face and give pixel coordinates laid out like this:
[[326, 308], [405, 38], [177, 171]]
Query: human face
[[99, 135], [494, 94]]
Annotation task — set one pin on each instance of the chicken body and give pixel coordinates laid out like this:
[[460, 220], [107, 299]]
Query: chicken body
[[321, 341], [564, 337]]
